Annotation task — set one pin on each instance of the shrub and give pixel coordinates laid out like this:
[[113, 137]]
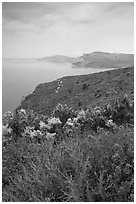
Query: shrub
[[84, 86], [63, 113], [76, 156]]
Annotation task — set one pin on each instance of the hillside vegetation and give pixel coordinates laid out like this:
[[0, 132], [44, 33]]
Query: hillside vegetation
[[94, 60], [72, 140], [82, 91], [69, 156]]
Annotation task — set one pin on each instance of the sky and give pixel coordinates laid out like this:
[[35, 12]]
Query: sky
[[42, 29]]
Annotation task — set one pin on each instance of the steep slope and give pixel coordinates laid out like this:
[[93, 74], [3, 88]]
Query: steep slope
[[104, 60], [95, 60], [81, 91]]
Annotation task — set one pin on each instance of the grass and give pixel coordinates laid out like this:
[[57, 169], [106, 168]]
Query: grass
[[72, 156]]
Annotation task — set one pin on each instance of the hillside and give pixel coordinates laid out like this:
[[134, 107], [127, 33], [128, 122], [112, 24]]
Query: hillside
[[57, 59], [104, 60], [81, 91], [94, 59], [72, 154]]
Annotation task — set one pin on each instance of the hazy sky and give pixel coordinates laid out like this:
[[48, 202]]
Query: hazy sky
[[43, 29]]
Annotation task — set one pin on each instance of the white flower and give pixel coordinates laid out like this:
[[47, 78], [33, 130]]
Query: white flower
[[28, 131], [81, 114], [75, 120], [33, 134], [59, 106], [8, 114], [50, 135], [39, 132], [110, 123], [44, 126], [69, 122], [48, 127], [7, 117], [22, 114], [6, 129], [54, 121], [131, 104], [97, 110], [22, 111]]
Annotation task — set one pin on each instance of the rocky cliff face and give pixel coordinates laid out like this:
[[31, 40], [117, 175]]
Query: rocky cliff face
[[94, 60], [104, 60], [81, 91]]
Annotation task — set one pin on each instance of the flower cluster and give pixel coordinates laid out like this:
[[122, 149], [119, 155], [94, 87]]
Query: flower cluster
[[6, 130], [54, 121], [50, 136], [76, 153], [7, 117], [22, 114], [30, 132], [97, 110], [111, 124], [44, 126]]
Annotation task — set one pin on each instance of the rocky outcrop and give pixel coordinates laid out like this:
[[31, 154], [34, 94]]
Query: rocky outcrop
[[104, 60]]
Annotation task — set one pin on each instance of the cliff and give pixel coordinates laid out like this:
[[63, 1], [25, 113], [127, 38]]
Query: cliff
[[104, 60], [81, 91]]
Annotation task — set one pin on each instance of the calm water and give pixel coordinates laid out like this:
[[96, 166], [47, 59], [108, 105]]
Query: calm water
[[19, 78]]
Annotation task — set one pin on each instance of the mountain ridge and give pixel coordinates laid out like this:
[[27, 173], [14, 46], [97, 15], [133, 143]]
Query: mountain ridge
[[57, 59], [96, 59], [104, 60], [81, 91]]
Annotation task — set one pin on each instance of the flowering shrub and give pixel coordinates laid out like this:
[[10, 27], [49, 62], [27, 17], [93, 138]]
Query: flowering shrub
[[7, 117], [30, 132], [77, 156], [63, 113], [121, 112], [6, 130], [6, 133], [69, 122], [50, 135], [54, 121], [43, 125], [81, 115], [111, 125]]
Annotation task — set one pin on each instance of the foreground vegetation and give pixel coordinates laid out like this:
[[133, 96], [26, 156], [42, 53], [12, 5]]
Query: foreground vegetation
[[71, 156]]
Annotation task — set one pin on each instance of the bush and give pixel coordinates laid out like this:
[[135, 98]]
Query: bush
[[76, 156], [84, 86]]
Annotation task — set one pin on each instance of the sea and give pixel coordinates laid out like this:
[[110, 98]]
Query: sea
[[21, 76]]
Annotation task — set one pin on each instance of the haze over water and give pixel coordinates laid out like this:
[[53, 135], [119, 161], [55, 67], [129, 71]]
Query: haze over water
[[40, 29], [20, 77]]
